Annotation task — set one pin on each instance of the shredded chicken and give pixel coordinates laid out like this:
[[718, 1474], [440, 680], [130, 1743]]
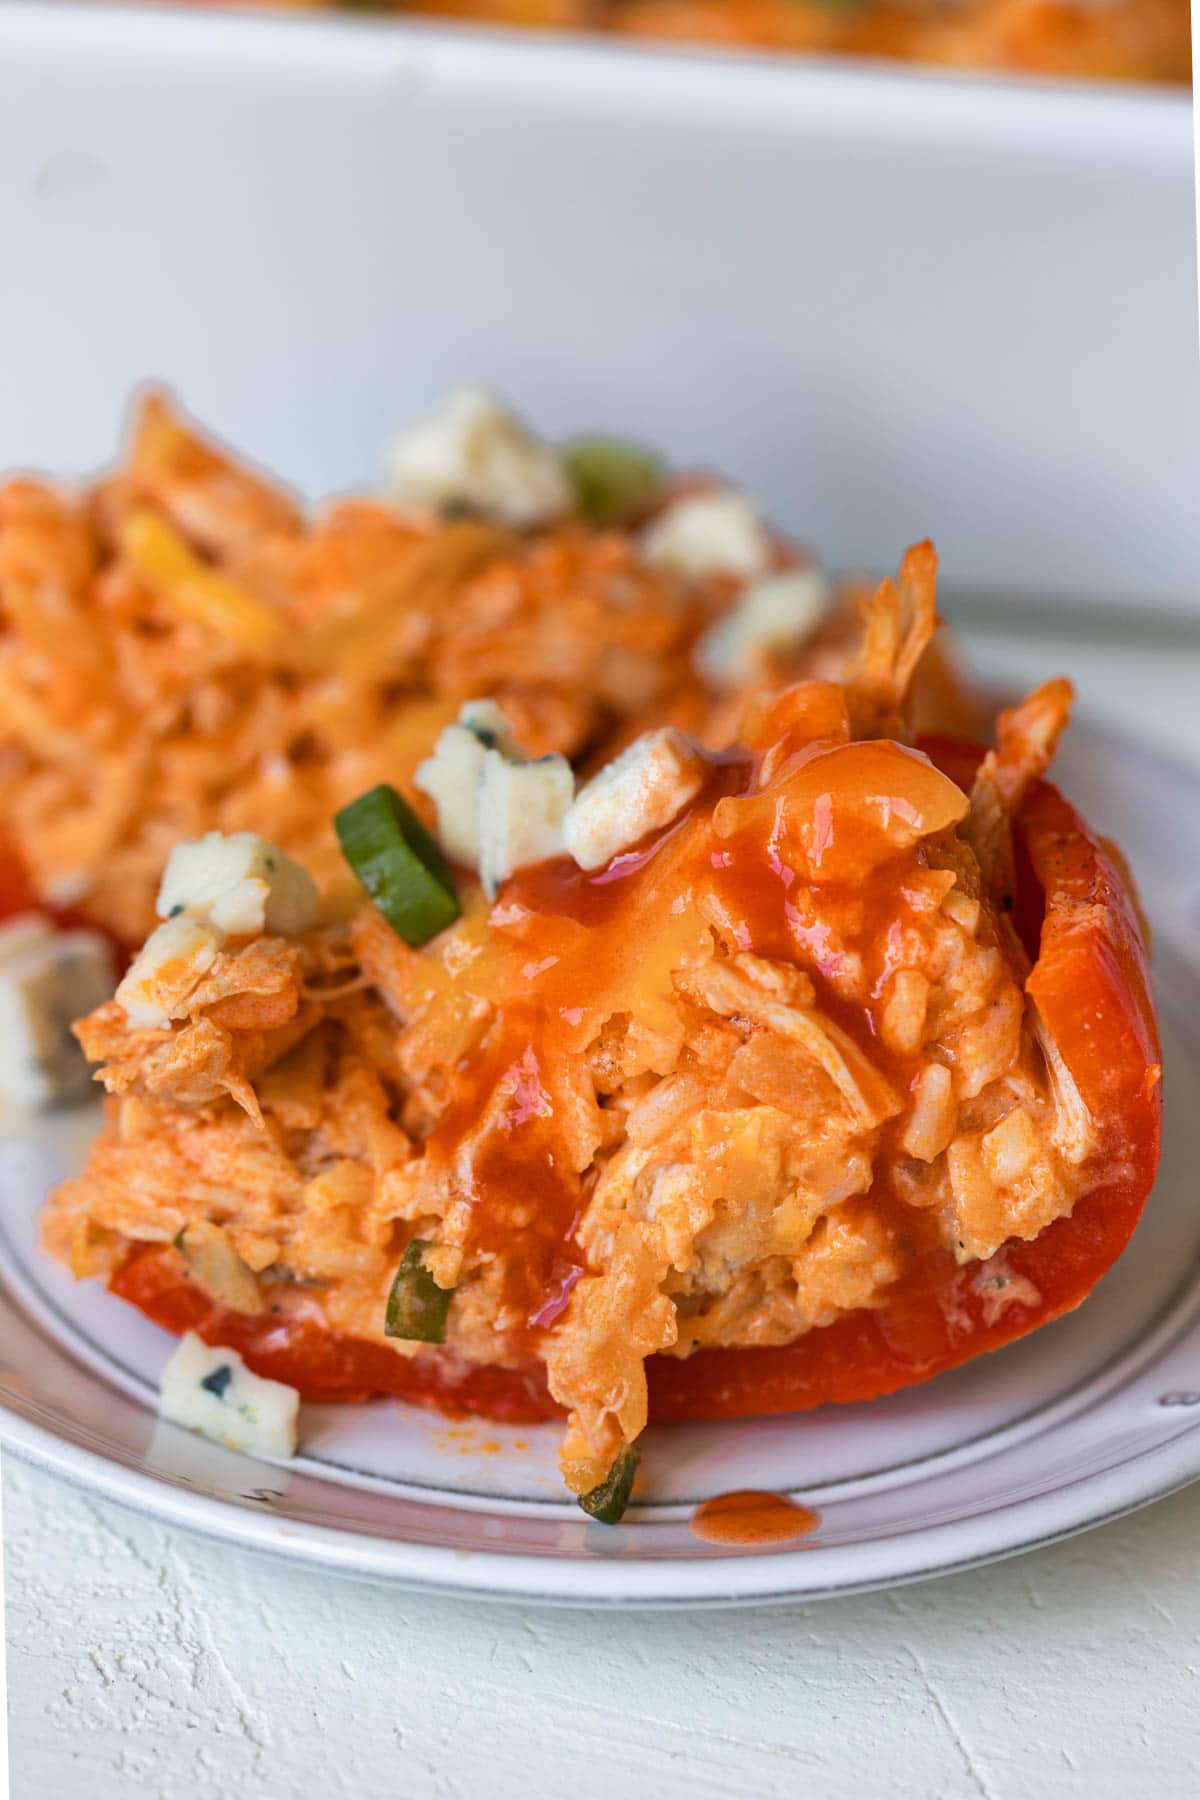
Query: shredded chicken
[[1026, 739], [182, 650], [721, 1096]]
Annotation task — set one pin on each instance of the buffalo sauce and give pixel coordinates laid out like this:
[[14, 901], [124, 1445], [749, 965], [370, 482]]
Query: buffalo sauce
[[571, 937], [577, 946], [749, 1517]]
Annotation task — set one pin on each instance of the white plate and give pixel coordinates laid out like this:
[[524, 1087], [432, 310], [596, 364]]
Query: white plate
[[1087, 1419]]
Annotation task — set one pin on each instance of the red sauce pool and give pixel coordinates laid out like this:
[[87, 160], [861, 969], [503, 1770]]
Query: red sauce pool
[[752, 1517]]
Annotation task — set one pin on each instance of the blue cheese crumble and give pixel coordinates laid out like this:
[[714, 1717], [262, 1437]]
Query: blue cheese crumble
[[209, 1389], [496, 811], [239, 883], [473, 454], [48, 979], [772, 617]]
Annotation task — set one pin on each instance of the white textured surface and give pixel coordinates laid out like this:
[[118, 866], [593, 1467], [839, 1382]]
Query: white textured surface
[[148, 1665]]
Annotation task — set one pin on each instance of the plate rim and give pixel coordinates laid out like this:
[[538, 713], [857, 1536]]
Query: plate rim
[[926, 1553]]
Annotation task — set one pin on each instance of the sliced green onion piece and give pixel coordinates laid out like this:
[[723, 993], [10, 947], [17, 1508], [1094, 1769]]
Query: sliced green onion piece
[[417, 1306], [398, 863], [614, 483], [607, 1502]]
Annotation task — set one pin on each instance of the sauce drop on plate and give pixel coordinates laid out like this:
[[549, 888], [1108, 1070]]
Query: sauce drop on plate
[[752, 1517]]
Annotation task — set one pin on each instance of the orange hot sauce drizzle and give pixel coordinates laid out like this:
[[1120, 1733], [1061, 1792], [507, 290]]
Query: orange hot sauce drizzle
[[750, 1516], [597, 930], [567, 935], [588, 924]]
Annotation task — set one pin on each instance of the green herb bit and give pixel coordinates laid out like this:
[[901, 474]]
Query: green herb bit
[[607, 1502], [417, 1306], [614, 483], [398, 863]]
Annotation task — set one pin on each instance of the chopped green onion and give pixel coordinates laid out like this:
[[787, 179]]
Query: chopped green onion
[[607, 1502], [614, 483], [177, 1240], [417, 1306], [398, 863]]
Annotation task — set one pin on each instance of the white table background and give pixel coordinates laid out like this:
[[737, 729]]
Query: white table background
[[145, 1664]]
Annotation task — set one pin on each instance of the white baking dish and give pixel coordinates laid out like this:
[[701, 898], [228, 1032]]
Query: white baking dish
[[892, 303]]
